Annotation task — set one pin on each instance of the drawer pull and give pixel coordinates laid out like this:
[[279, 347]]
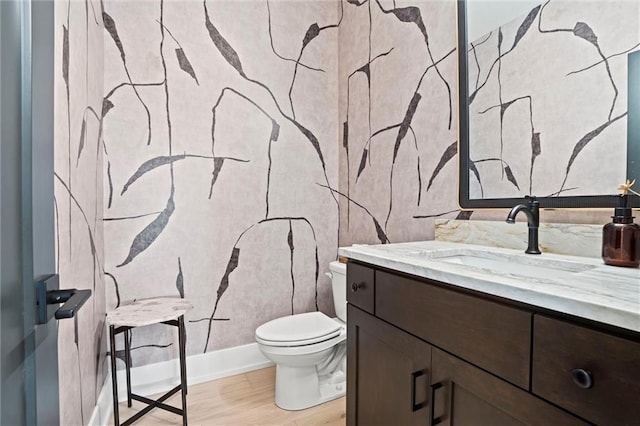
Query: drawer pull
[[582, 378], [414, 406], [356, 286], [432, 419]]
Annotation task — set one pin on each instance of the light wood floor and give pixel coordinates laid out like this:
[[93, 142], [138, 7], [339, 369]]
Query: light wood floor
[[245, 399]]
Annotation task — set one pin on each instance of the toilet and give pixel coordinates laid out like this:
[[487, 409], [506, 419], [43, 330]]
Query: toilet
[[309, 350]]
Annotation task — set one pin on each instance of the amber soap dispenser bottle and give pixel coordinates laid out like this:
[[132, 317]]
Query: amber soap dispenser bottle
[[621, 238]]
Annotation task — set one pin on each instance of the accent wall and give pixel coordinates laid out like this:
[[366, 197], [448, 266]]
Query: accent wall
[[78, 159], [221, 163]]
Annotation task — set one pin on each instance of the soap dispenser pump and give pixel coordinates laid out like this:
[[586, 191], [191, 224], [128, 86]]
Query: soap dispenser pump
[[621, 238]]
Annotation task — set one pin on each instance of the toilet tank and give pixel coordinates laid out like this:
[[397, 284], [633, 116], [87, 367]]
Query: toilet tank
[[339, 287]]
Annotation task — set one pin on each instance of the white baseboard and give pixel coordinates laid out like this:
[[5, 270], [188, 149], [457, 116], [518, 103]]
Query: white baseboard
[[160, 377], [104, 405]]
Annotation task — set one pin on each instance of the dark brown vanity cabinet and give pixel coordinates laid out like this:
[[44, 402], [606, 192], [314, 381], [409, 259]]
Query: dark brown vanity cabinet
[[465, 395], [489, 334], [421, 352], [388, 376]]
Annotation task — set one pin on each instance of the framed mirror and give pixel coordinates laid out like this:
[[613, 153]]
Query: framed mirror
[[549, 102]]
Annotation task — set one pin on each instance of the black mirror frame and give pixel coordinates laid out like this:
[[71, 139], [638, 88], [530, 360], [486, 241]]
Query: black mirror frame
[[564, 202]]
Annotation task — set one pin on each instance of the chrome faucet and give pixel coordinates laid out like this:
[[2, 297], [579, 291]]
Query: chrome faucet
[[532, 211]]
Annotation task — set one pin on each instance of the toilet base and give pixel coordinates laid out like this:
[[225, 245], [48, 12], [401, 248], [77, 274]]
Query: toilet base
[[298, 388]]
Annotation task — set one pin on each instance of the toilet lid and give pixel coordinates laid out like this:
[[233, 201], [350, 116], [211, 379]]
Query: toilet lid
[[307, 328]]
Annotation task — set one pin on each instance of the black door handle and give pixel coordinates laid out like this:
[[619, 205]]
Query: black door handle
[[73, 299], [47, 293]]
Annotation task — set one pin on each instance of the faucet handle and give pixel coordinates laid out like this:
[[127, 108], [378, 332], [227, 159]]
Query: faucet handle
[[530, 198]]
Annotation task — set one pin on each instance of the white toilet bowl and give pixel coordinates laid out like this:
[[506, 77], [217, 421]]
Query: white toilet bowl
[[309, 351]]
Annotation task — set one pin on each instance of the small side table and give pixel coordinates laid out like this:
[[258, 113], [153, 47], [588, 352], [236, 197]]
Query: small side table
[[158, 310]]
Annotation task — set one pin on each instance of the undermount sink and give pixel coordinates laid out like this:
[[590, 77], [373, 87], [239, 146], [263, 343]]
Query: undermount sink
[[529, 266]]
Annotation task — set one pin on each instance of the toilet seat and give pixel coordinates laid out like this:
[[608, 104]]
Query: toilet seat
[[294, 351], [298, 330]]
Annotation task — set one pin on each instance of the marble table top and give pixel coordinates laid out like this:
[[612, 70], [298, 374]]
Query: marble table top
[[607, 294], [141, 312]]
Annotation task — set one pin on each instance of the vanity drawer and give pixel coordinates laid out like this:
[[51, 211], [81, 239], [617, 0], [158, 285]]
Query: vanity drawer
[[490, 335], [360, 286], [613, 363]]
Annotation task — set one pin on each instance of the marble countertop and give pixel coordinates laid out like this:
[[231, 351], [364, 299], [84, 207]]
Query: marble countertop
[[607, 294]]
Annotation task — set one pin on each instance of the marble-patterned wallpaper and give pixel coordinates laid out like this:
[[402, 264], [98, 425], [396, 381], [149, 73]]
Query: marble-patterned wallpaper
[[220, 150], [78, 153], [398, 124], [398, 117], [548, 101], [221, 163]]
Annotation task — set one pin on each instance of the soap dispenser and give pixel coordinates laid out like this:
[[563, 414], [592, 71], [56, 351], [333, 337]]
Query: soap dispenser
[[621, 238]]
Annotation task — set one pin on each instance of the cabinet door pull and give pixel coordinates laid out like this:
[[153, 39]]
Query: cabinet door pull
[[432, 411], [356, 286], [414, 376], [582, 378]]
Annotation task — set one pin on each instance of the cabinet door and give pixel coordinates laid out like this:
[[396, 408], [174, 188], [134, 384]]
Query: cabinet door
[[466, 395], [388, 373]]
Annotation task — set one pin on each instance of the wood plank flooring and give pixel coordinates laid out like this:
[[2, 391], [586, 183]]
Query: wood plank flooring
[[245, 399]]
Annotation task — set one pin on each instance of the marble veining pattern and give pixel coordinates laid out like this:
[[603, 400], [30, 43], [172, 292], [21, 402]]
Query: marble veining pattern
[[601, 293], [142, 312], [558, 238]]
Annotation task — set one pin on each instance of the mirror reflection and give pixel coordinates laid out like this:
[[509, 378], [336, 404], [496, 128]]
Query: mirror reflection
[[546, 98]]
